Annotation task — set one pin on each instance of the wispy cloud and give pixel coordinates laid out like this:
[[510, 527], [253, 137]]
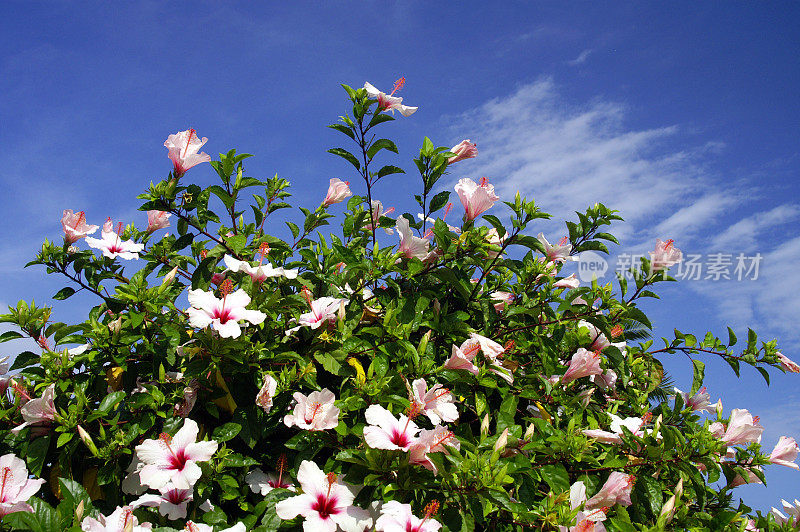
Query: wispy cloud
[[582, 57], [570, 155]]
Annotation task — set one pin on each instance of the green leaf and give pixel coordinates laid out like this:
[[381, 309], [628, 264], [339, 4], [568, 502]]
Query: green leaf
[[699, 373], [223, 195], [10, 335], [389, 169], [381, 144], [328, 362], [439, 201], [23, 360], [73, 493], [110, 401], [226, 432], [731, 337], [37, 453], [556, 476], [495, 221], [43, 518], [64, 293], [344, 154], [343, 129]]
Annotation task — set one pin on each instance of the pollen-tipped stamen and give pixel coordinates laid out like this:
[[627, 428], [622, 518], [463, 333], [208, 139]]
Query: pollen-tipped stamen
[[431, 509], [398, 85], [263, 250], [307, 296], [281, 465]]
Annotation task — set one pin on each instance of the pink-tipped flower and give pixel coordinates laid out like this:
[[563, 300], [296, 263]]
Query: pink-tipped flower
[[157, 220], [598, 340], [788, 364], [263, 483], [185, 406], [437, 402], [568, 282], [171, 502], [120, 520], [387, 432], [559, 252], [75, 226], [314, 412], [665, 255], [493, 238], [792, 511], [338, 191], [183, 147], [323, 310], [397, 517], [490, 349], [616, 490], [390, 102], [785, 452], [633, 424], [174, 458], [742, 428], [701, 401], [462, 359], [752, 478], [377, 212], [266, 393], [325, 503], [38, 413], [224, 314], [474, 197], [260, 272], [463, 150], [411, 246], [582, 364], [15, 486], [112, 245], [431, 441], [501, 300]]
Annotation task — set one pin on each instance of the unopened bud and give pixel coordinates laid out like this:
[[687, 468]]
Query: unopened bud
[[79, 511], [87, 440], [530, 432], [115, 325], [502, 441], [485, 425], [170, 276]]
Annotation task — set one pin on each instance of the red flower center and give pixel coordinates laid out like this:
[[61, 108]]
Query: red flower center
[[325, 506], [399, 438]]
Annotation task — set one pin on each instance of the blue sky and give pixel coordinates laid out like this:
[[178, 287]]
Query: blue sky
[[682, 116]]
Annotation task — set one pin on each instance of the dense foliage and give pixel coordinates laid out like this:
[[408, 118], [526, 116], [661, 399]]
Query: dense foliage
[[331, 380]]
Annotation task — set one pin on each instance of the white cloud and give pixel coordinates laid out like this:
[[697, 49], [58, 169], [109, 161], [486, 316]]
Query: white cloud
[[743, 235], [582, 57], [568, 156]]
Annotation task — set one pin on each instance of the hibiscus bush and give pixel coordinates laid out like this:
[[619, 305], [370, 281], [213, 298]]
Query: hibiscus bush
[[250, 370]]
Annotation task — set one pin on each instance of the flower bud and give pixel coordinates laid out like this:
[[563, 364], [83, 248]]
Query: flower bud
[[502, 441], [79, 512], [485, 425], [170, 277], [87, 440]]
